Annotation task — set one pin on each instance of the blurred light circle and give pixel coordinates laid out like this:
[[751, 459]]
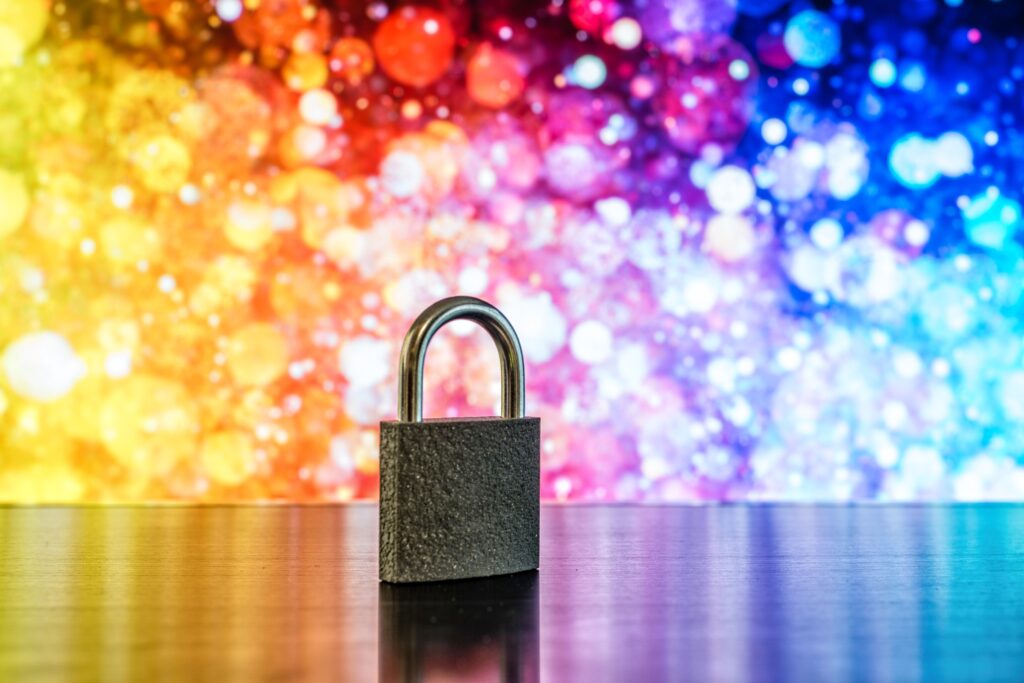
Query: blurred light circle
[[827, 234], [812, 38], [402, 174], [257, 354], [591, 342], [912, 76], [318, 106], [415, 45], [916, 233], [912, 161], [731, 190], [541, 326], [731, 238], [589, 72], [365, 361], [227, 456], [774, 131], [626, 33], [992, 219], [42, 366], [739, 69], [953, 155], [22, 24], [494, 76], [882, 72], [229, 10], [352, 59]]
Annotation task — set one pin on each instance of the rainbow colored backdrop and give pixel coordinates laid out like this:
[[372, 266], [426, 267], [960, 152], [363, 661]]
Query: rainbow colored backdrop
[[755, 249]]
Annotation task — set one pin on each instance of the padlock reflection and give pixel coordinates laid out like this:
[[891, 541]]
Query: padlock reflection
[[472, 630]]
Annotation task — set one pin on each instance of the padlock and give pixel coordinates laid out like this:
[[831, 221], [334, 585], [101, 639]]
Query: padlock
[[459, 497]]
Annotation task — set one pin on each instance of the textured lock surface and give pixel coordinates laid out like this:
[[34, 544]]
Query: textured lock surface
[[459, 498]]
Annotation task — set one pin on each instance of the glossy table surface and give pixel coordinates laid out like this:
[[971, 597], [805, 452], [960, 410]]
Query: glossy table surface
[[721, 593]]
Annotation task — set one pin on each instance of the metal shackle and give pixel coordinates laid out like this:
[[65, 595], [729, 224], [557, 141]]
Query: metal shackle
[[414, 353]]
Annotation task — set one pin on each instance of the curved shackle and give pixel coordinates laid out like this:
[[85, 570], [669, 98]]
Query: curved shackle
[[414, 352]]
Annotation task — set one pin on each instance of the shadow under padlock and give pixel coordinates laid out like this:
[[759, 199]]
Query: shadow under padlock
[[471, 630]]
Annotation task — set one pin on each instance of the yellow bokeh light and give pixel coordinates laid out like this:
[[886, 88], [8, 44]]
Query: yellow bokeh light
[[257, 354], [14, 199], [149, 424], [126, 239], [56, 483], [118, 334], [250, 224], [58, 212], [22, 23], [147, 103], [322, 201], [227, 281], [305, 71], [227, 456], [163, 164]]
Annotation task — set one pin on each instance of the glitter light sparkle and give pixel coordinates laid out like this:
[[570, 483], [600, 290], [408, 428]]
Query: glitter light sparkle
[[754, 250]]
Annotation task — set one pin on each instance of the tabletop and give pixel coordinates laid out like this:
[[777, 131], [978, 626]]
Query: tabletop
[[624, 593]]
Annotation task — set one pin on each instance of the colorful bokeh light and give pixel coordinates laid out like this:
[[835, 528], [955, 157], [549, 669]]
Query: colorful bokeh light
[[754, 250]]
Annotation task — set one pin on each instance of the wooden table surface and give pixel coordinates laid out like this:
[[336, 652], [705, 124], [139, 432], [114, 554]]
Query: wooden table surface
[[726, 593]]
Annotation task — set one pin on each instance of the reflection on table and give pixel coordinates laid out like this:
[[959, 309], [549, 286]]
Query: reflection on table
[[475, 630], [280, 593]]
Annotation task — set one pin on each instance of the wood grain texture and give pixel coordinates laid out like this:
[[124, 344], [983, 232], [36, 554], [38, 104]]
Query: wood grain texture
[[729, 593]]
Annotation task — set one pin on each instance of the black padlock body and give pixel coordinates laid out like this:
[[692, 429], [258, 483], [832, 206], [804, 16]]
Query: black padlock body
[[459, 498]]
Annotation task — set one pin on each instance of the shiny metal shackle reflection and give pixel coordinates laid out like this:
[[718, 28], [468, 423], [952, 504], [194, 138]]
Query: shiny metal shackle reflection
[[414, 352]]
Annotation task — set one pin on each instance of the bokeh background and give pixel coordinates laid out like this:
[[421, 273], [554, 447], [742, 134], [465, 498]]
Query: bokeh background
[[754, 249]]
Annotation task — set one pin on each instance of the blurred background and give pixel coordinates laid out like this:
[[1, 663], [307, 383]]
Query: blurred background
[[754, 249]]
